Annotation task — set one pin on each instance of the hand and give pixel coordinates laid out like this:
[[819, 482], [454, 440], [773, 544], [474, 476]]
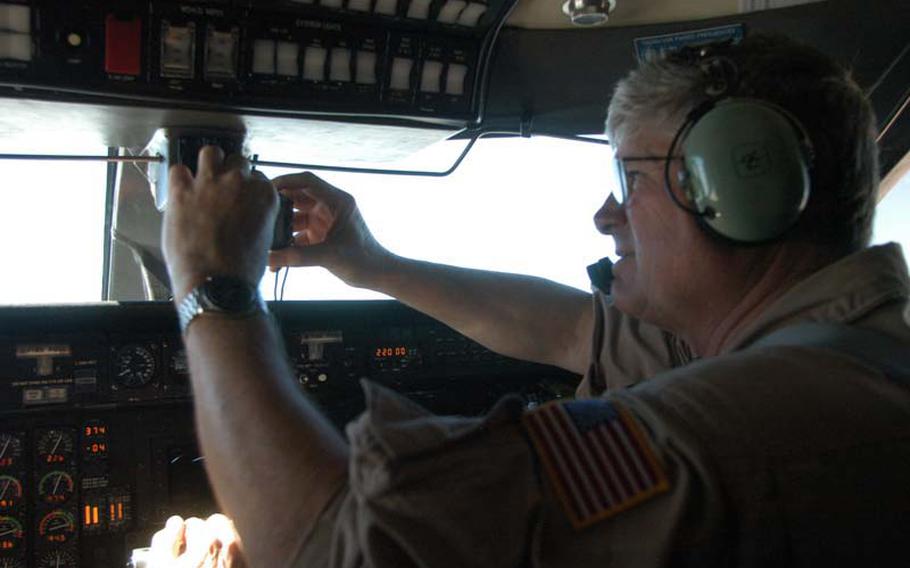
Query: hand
[[329, 232], [194, 543], [219, 223]]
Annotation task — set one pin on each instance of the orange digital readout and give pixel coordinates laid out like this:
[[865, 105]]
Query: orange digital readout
[[384, 352], [95, 430]]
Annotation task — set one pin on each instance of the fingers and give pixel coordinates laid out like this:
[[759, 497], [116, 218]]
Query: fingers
[[237, 162], [311, 185], [311, 255], [199, 541], [168, 543], [209, 162], [180, 179]]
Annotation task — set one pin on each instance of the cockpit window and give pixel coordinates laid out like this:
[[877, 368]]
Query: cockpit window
[[514, 205], [52, 228], [891, 216]]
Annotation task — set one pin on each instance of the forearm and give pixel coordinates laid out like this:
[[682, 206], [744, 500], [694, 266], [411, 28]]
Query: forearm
[[520, 316], [273, 460]]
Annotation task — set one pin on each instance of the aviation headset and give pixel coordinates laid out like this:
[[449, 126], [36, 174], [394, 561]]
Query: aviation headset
[[747, 163]]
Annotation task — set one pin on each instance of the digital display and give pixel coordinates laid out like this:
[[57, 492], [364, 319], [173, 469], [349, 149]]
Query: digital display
[[390, 351]]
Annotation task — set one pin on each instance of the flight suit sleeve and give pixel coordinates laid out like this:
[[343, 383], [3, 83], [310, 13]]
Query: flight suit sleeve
[[626, 350], [440, 492]]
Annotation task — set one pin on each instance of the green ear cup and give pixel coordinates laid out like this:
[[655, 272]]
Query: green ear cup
[[748, 166]]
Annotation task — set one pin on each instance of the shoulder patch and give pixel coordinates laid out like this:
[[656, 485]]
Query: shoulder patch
[[597, 457]]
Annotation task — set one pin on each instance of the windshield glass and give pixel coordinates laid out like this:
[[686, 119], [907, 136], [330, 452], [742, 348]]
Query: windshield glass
[[52, 228], [515, 205]]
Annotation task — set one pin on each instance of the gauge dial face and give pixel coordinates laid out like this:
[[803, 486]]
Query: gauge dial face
[[56, 487], [11, 534], [10, 451], [10, 492], [134, 366], [57, 559], [55, 447], [57, 527]]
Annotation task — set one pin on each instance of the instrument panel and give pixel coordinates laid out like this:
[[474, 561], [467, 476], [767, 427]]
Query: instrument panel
[[379, 58], [97, 443]]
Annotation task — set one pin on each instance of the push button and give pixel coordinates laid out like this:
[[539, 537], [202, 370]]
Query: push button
[[455, 79], [401, 74], [15, 32], [340, 67], [419, 9], [432, 77], [288, 53], [314, 63], [264, 57], [122, 46], [178, 50], [15, 18], [386, 7], [15, 46], [366, 68], [221, 54], [471, 15], [450, 11]]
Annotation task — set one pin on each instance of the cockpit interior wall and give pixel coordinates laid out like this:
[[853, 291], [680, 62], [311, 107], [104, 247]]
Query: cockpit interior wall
[[561, 80]]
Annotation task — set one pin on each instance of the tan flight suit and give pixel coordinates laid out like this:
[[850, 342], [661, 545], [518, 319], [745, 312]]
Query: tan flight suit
[[777, 456]]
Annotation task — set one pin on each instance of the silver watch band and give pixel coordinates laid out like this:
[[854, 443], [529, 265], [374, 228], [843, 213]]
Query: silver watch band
[[196, 304]]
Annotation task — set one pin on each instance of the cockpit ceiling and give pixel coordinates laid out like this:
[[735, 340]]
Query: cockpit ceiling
[[547, 14]]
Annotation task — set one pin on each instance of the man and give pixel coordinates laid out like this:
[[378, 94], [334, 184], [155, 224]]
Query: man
[[757, 454]]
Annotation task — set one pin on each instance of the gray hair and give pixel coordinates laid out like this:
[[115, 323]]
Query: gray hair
[[816, 90]]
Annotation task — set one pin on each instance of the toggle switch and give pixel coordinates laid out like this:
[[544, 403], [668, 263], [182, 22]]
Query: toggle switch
[[122, 45], [221, 54], [401, 74], [15, 18], [472, 14], [386, 7], [450, 11], [288, 55], [366, 68], [15, 46], [178, 50], [455, 79], [264, 57], [431, 79], [314, 63], [340, 65], [419, 9]]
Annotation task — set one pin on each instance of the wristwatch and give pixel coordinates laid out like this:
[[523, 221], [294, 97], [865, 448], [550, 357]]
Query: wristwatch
[[223, 295]]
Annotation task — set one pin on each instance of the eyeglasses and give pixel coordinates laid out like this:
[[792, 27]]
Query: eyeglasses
[[626, 180]]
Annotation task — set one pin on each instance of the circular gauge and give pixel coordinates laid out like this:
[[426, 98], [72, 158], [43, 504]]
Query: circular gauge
[[10, 492], [56, 487], [11, 534], [55, 447], [56, 559], [57, 527], [134, 366], [10, 451], [11, 563]]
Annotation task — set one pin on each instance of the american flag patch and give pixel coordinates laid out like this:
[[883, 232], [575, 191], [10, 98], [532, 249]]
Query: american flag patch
[[597, 457]]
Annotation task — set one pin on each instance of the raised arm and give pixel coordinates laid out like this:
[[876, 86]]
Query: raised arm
[[273, 460], [520, 316]]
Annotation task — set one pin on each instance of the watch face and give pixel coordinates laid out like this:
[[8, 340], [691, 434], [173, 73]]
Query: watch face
[[230, 294]]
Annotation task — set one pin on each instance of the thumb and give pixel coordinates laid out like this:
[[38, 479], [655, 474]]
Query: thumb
[[309, 255]]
